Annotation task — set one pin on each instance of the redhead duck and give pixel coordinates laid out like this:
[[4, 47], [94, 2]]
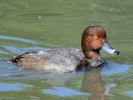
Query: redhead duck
[[66, 60]]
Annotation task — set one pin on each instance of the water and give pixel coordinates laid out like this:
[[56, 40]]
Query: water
[[27, 25]]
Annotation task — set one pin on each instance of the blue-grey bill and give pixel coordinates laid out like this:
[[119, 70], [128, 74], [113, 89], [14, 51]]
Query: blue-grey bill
[[106, 47]]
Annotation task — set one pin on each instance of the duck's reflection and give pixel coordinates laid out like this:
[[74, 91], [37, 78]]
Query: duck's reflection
[[92, 83]]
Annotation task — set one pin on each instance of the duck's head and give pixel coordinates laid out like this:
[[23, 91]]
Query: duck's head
[[93, 40]]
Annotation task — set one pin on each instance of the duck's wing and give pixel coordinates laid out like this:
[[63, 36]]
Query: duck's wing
[[28, 59]]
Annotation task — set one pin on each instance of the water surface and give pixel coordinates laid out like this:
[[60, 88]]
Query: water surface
[[27, 25]]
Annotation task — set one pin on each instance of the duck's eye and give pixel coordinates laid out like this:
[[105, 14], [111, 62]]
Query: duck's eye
[[95, 37]]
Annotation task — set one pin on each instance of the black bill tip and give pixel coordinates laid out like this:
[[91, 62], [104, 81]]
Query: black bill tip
[[116, 52]]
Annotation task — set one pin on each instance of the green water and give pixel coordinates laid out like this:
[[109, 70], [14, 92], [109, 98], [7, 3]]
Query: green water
[[39, 24]]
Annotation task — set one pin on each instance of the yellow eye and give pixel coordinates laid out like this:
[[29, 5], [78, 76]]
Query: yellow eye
[[95, 37]]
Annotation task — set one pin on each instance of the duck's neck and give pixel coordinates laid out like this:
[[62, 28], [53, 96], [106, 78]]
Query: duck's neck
[[89, 54]]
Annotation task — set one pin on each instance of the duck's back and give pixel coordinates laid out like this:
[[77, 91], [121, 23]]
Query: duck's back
[[54, 60]]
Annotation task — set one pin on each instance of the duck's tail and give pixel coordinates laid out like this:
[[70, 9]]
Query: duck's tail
[[14, 59]]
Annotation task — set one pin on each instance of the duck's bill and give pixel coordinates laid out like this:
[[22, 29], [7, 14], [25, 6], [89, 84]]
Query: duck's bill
[[106, 47]]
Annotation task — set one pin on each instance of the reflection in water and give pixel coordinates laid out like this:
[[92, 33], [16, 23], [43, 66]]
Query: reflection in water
[[8, 70], [108, 68], [14, 49], [93, 84], [12, 87], [108, 87], [17, 39], [3, 52], [130, 93], [56, 80], [63, 91]]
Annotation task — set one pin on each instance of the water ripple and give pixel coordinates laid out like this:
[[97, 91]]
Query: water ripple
[[66, 91], [129, 93], [17, 39], [12, 86], [3, 52], [114, 68]]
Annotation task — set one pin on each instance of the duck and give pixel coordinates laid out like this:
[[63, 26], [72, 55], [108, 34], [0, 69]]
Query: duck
[[67, 60]]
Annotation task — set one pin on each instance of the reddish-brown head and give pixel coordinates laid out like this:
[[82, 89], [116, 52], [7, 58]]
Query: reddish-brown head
[[93, 39]]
